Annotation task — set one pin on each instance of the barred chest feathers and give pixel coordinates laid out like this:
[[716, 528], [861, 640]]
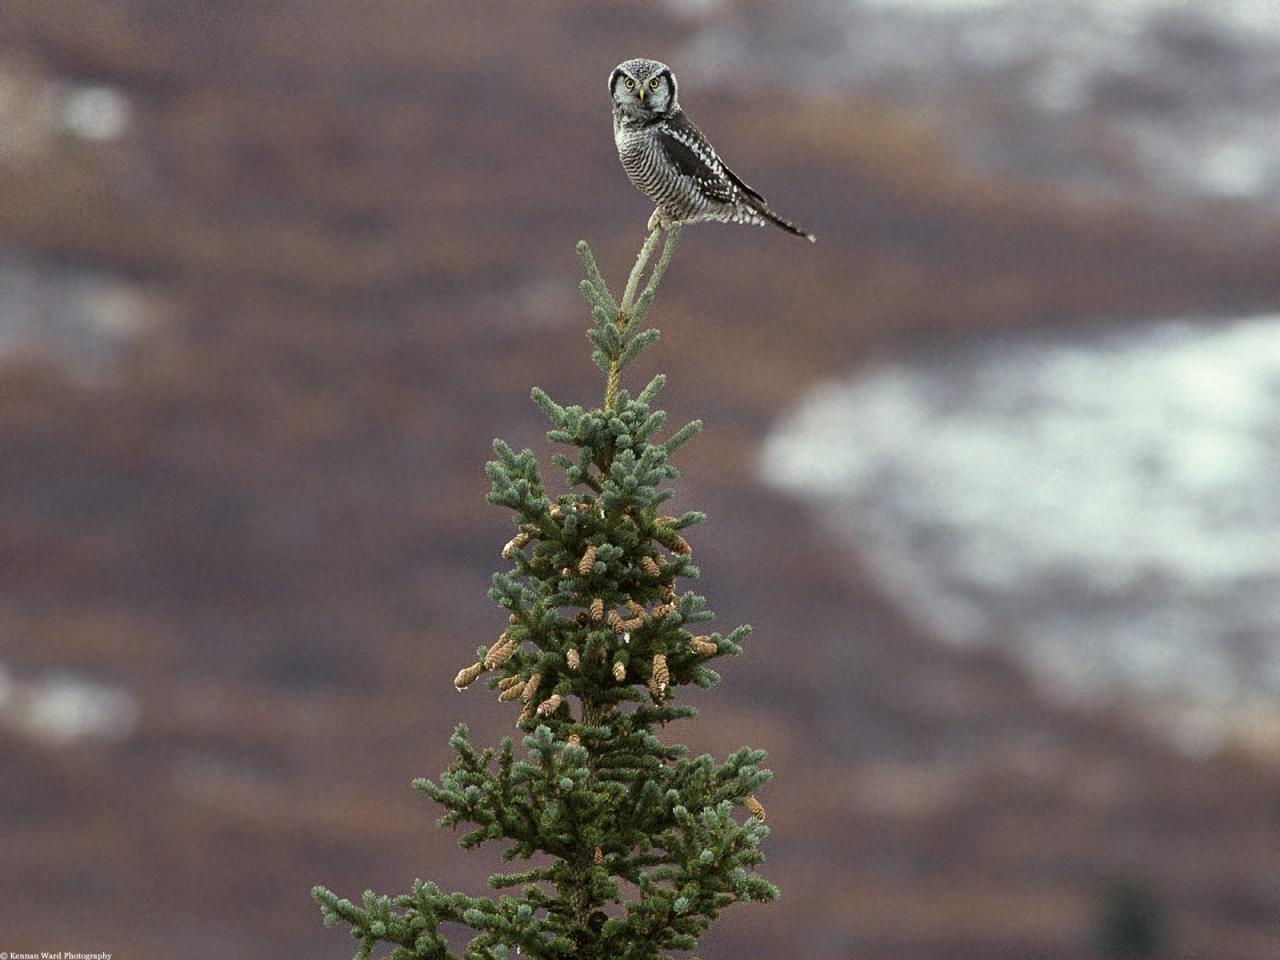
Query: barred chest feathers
[[647, 165]]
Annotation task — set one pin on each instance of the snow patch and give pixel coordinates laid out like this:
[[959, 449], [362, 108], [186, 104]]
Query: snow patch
[[1163, 96], [1107, 510], [82, 318], [96, 113], [61, 708]]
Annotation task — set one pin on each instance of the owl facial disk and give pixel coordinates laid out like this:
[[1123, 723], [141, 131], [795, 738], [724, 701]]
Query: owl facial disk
[[643, 89]]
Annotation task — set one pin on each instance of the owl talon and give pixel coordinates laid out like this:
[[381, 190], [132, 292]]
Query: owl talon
[[660, 220]]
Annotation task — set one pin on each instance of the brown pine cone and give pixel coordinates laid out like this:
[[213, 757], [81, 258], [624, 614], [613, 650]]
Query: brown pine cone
[[659, 679], [467, 675]]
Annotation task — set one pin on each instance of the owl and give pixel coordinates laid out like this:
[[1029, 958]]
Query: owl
[[670, 160]]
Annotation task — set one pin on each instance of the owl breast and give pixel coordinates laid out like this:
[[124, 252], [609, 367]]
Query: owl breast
[[648, 168]]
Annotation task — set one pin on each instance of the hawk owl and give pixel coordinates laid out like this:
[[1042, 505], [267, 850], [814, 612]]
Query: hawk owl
[[670, 160]]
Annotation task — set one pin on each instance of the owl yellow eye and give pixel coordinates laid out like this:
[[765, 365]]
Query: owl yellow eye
[[631, 84], [653, 84]]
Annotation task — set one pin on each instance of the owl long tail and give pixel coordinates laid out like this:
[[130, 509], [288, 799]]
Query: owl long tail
[[786, 225]]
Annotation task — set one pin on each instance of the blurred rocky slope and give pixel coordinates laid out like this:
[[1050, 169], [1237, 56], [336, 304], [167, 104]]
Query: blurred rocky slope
[[326, 253]]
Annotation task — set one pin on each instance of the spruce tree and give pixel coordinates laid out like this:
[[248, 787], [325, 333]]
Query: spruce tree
[[629, 847]]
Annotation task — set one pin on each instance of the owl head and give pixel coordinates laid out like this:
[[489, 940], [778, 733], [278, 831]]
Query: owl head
[[643, 89]]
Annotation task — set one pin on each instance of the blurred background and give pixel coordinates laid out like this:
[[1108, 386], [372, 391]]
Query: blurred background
[[991, 468]]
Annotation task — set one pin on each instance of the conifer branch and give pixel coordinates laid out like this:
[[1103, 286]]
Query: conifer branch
[[633, 281], [630, 309]]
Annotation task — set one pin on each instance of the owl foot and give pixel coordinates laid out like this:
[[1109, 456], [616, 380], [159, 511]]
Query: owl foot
[[660, 220]]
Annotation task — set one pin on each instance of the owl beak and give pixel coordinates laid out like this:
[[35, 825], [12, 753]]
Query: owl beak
[[640, 94]]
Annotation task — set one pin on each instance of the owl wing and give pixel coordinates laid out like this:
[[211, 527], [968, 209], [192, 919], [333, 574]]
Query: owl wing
[[690, 153]]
